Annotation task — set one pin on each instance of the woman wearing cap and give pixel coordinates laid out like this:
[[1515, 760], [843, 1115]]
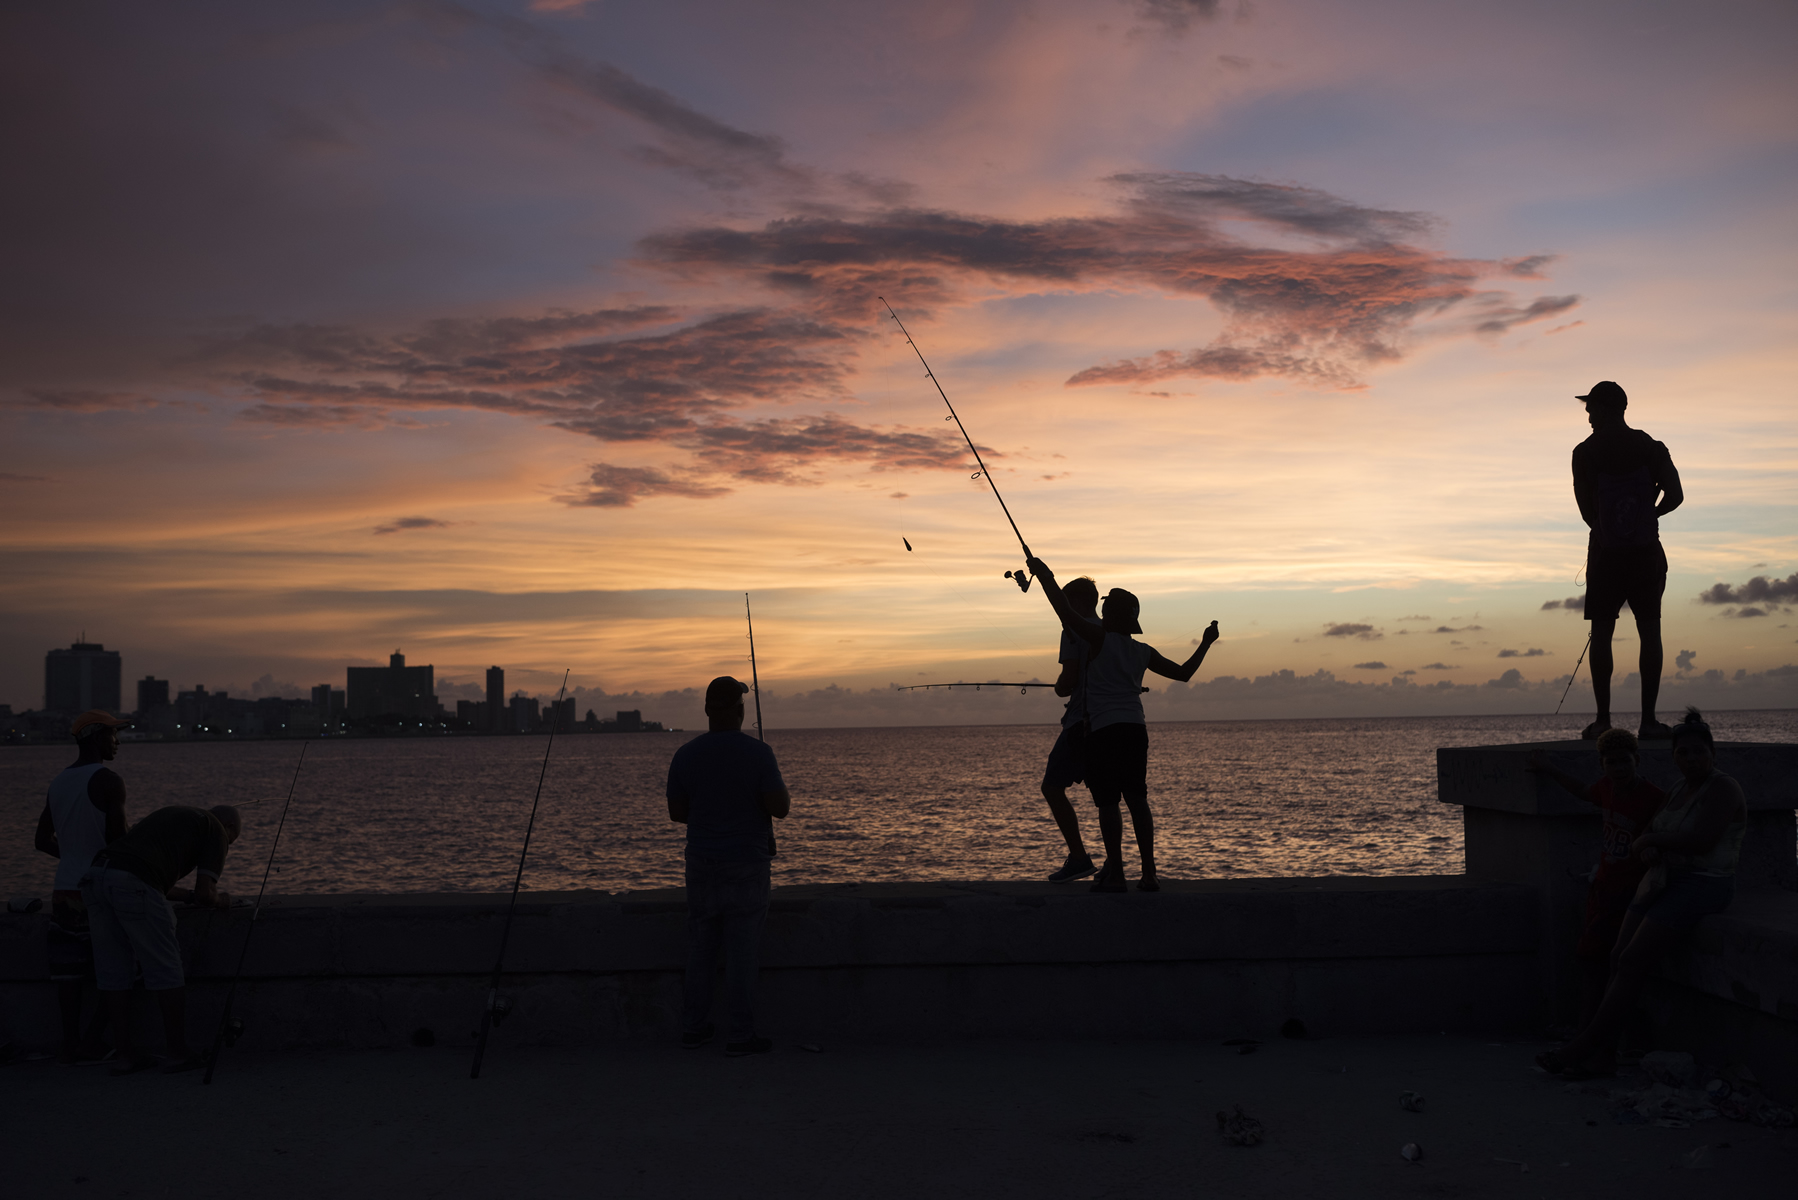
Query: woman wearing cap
[[1691, 849], [1117, 740]]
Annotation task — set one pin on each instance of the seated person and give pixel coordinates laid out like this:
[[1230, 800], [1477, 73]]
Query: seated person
[[1628, 802], [1690, 849]]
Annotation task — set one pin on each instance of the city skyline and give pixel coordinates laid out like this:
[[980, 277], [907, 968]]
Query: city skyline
[[537, 334]]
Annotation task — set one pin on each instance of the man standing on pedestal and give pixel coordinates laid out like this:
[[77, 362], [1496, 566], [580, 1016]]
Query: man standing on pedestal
[[1624, 482]]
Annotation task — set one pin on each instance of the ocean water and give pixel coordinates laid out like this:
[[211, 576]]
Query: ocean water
[[1231, 799]]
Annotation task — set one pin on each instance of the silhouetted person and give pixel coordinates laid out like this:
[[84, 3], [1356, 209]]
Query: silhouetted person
[[1067, 761], [85, 809], [1117, 748], [725, 786], [1624, 482], [1629, 803], [127, 890], [1690, 849]]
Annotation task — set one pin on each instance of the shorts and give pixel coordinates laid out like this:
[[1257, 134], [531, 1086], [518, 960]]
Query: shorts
[[1117, 762], [1636, 574], [132, 922], [1607, 903], [1067, 761], [69, 944], [1687, 899]]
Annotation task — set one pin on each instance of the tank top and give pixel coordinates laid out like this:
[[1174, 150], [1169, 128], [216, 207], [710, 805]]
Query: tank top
[[1114, 682], [1677, 814], [80, 827]]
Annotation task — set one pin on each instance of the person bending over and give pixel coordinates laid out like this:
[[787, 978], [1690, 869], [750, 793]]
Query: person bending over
[[1624, 482], [725, 787], [85, 809], [1117, 748], [1067, 761], [127, 890], [1690, 850], [1628, 802]]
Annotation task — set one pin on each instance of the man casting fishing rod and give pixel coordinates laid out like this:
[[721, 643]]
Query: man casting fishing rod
[[1117, 741]]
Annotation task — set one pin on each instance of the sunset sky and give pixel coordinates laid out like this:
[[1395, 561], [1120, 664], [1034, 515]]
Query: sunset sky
[[536, 334]]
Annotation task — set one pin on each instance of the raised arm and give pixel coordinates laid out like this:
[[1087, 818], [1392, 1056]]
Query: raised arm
[[1089, 631], [1162, 665]]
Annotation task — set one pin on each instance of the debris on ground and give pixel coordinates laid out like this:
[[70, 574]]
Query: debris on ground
[[1238, 1128], [1411, 1102], [1243, 1045], [1675, 1068], [1696, 1160], [1677, 1108], [1522, 1167], [1411, 1152]]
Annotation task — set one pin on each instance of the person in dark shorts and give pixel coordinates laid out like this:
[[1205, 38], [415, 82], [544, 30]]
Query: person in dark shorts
[[725, 787], [1690, 849], [1117, 748], [85, 809], [1628, 802], [1067, 760], [1624, 482], [127, 890]]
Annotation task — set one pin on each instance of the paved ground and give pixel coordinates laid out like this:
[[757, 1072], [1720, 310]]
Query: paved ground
[[926, 1119]]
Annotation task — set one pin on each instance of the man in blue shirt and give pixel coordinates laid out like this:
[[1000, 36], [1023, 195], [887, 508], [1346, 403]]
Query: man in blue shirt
[[725, 787]]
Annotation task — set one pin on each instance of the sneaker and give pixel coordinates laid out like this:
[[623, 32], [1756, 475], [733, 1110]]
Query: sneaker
[[1111, 879], [755, 1045], [699, 1037], [1655, 731], [1590, 733], [1074, 868]]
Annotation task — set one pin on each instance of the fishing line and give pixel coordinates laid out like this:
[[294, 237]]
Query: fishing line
[[1575, 675], [225, 1033], [495, 1012], [1023, 580], [754, 679]]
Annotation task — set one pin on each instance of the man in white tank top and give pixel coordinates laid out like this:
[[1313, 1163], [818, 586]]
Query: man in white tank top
[[84, 811]]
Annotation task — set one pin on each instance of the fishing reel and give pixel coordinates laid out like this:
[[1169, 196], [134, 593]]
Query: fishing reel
[[502, 1008], [1021, 578], [233, 1030]]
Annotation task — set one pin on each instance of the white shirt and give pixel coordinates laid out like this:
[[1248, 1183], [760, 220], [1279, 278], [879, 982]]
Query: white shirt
[[80, 824], [1114, 681]]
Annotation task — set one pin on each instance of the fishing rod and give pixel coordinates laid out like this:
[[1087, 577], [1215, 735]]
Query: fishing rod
[[1022, 579], [1575, 675], [496, 1010], [754, 681], [225, 1030]]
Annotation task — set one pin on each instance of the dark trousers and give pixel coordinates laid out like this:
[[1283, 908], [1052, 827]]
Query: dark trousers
[[726, 902]]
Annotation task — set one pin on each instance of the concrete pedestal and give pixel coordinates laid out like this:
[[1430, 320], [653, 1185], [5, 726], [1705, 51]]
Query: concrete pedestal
[[1522, 828]]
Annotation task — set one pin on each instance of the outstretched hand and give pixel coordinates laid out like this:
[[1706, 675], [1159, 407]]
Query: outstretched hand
[[1038, 567], [1210, 635]]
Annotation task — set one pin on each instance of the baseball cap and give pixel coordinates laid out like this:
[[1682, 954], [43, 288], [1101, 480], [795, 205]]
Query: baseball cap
[[724, 691], [1123, 607], [93, 717], [1605, 392]]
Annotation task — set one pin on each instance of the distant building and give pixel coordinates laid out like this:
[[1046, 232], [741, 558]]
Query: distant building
[[84, 676], [328, 703], [392, 690], [200, 712], [474, 714], [496, 696], [524, 713], [560, 715], [151, 693], [630, 722]]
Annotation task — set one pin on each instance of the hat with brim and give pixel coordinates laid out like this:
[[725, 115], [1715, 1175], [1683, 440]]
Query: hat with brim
[[726, 691], [96, 717], [1121, 610], [1605, 393]]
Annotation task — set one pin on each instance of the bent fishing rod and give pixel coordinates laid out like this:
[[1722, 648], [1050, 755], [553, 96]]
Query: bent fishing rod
[[1575, 675], [754, 681], [223, 1035], [494, 1012], [1022, 579]]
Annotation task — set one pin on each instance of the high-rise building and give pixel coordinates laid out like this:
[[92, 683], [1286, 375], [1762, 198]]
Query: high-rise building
[[86, 675], [496, 696], [395, 689], [524, 713], [560, 714], [328, 703], [151, 693]]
